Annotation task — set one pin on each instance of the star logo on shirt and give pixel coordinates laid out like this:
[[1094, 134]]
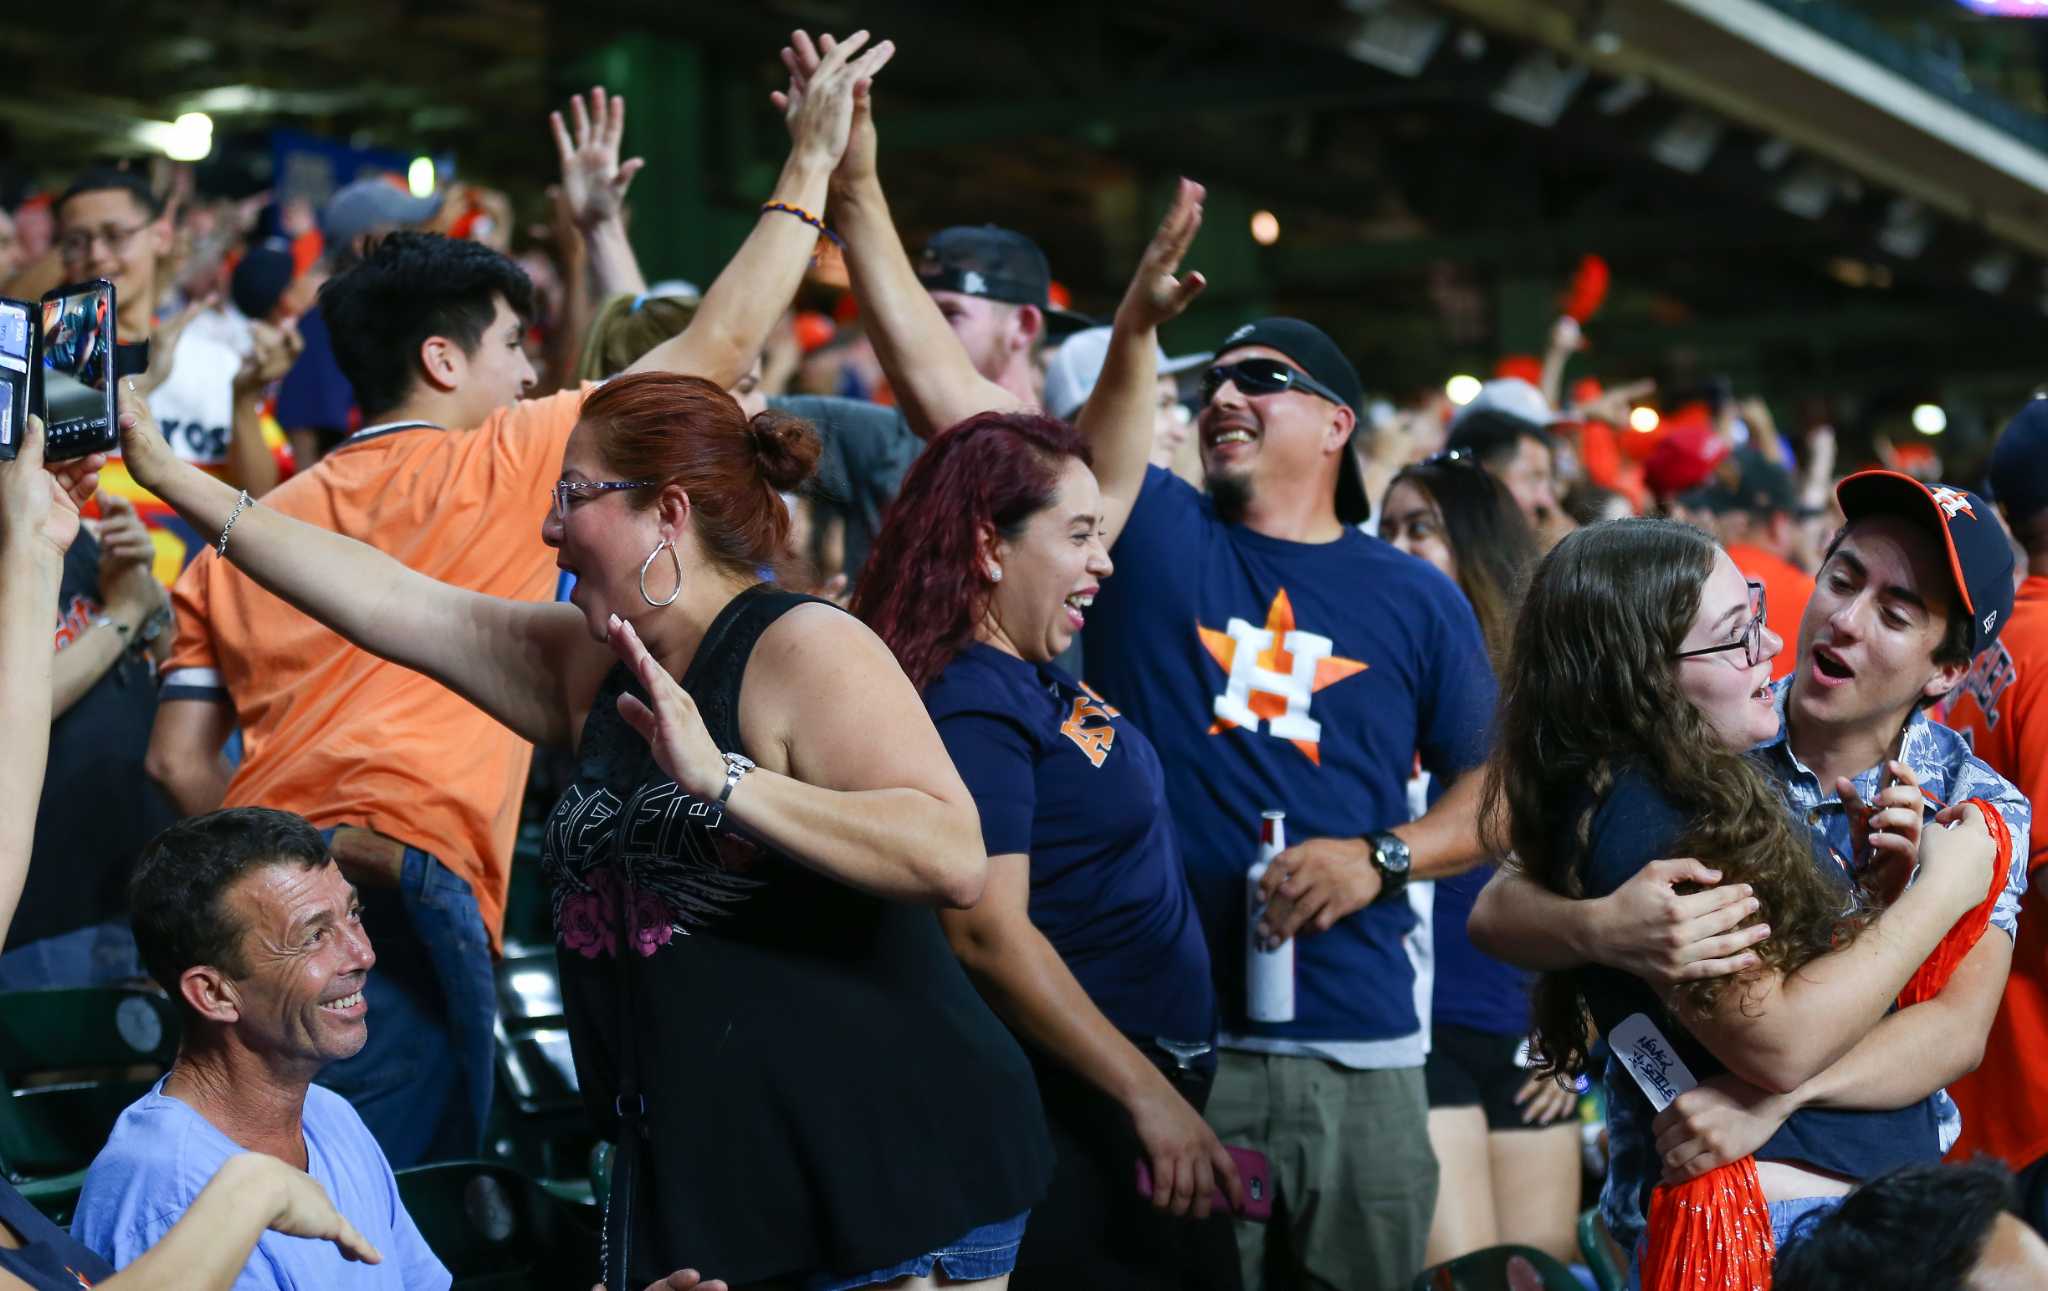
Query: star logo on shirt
[[1274, 673]]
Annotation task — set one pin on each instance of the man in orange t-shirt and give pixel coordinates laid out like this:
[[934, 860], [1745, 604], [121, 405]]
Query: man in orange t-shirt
[[2003, 705], [1757, 521], [419, 791]]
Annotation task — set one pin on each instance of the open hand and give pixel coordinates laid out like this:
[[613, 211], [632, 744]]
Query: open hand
[[1312, 885], [594, 180], [1649, 929], [1545, 1099], [1158, 291], [668, 720], [826, 104], [41, 504], [1189, 1164]]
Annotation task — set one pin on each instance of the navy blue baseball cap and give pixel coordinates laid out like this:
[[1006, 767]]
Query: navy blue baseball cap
[[1980, 559], [2019, 464]]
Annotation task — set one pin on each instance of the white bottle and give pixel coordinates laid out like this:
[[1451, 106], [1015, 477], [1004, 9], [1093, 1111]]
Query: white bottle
[[1268, 974]]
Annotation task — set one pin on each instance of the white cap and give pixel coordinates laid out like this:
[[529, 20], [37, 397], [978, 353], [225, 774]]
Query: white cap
[[1075, 367], [1512, 397]]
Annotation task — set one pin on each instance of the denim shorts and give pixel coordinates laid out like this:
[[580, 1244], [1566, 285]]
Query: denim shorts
[[989, 1251]]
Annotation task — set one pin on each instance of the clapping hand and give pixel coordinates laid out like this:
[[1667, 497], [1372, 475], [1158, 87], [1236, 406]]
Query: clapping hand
[[826, 104], [594, 180]]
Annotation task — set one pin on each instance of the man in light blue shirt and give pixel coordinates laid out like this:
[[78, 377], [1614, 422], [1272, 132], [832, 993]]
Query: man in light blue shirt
[[244, 919]]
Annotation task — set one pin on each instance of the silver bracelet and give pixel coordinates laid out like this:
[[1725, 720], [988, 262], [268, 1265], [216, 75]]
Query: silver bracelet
[[241, 504]]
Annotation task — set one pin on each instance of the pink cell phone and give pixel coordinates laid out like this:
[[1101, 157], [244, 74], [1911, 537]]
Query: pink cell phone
[[1253, 1170]]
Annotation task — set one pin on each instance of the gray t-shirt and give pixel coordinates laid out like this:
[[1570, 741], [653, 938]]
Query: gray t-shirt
[[868, 447]]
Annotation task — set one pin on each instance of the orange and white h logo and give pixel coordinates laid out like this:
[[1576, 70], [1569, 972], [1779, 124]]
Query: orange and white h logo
[[1275, 671]]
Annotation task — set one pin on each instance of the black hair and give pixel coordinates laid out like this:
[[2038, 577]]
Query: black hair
[[100, 179], [1494, 437], [1918, 1228], [1493, 545], [1954, 646], [407, 287], [175, 897]]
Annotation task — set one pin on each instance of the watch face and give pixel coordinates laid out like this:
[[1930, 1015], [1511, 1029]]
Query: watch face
[[1392, 855]]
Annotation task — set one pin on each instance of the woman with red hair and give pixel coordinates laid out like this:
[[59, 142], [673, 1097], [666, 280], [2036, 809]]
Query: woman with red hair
[[1085, 939], [764, 1011]]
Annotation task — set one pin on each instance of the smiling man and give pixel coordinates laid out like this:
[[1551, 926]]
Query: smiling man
[[242, 917]]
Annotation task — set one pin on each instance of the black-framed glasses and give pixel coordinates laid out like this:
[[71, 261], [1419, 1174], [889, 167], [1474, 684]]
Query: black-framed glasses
[[1263, 376], [1752, 642], [566, 489]]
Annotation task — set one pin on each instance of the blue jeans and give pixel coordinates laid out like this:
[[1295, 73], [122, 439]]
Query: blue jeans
[[98, 954], [422, 1082], [989, 1251]]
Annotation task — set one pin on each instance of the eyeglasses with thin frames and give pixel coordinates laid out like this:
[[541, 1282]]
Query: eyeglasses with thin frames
[[81, 243], [1752, 642], [566, 489]]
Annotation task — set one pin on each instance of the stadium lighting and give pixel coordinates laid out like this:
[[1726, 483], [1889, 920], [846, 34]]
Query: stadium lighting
[[189, 138], [1643, 420], [1929, 419], [419, 177], [1462, 389], [1265, 228]]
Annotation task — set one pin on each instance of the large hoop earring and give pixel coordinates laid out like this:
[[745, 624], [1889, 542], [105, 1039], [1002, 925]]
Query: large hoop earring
[[675, 560]]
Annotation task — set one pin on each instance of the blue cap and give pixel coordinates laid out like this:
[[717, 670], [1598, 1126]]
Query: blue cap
[[2019, 464], [1980, 559]]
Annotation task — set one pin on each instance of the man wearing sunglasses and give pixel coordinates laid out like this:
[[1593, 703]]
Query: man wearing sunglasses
[[1281, 659], [1917, 584]]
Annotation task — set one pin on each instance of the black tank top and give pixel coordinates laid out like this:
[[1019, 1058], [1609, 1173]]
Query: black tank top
[[825, 1090]]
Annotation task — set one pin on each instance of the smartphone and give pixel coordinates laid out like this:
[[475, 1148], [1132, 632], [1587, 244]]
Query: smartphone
[[1254, 1171], [76, 352], [17, 349]]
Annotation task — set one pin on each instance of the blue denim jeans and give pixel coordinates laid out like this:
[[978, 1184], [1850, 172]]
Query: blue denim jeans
[[99, 954], [422, 1082], [989, 1251]]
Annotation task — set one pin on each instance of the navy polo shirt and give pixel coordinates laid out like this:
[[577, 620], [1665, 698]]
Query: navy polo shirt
[[1062, 777], [1304, 677]]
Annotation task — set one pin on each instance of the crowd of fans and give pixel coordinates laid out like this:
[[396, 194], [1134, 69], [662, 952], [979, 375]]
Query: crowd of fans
[[1657, 822]]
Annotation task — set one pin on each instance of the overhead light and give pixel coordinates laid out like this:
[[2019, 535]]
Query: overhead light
[[1462, 389], [1538, 87], [189, 138], [1808, 191], [1643, 420], [419, 177], [1688, 143], [1773, 152], [1398, 38], [1265, 228], [1993, 273], [1929, 419], [1623, 95], [1908, 226]]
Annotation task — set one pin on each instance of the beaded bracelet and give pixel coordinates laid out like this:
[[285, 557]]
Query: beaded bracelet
[[805, 216]]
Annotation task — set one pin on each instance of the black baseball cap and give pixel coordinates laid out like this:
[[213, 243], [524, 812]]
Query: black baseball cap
[[1758, 486], [995, 264], [1980, 559], [1311, 349], [2019, 464], [261, 278]]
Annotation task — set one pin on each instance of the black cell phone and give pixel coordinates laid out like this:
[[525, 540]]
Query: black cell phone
[[17, 350], [76, 349]]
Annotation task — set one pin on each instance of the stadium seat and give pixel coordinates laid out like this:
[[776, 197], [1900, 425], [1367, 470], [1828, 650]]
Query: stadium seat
[[1608, 1262], [1487, 1270], [538, 1122], [70, 1062], [498, 1230]]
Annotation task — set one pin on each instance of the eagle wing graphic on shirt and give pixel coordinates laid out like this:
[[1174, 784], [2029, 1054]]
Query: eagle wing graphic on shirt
[[1274, 672]]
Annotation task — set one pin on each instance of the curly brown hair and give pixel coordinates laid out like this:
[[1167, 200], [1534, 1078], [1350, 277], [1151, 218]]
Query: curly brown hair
[[1591, 690]]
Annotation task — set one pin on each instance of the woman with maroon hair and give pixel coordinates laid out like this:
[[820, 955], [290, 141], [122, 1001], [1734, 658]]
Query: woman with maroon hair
[[1085, 939], [764, 1011]]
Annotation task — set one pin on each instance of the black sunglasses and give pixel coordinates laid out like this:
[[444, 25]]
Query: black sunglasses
[[1263, 376]]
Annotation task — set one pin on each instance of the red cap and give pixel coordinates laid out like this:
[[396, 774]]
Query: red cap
[[1684, 459]]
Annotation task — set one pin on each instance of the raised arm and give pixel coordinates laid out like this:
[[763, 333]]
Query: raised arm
[[272, 352], [593, 194], [516, 661], [1118, 416], [935, 381], [732, 323]]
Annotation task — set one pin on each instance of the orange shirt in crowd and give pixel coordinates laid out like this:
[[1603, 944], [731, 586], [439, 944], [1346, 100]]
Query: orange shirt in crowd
[[340, 736], [2003, 706], [1787, 589]]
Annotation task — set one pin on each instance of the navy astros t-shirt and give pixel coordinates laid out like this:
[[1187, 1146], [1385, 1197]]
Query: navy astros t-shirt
[[1062, 777], [1304, 677]]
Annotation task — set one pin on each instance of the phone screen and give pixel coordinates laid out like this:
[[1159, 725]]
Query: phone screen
[[14, 359], [78, 365]]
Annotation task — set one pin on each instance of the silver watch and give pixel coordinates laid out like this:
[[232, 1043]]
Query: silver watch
[[713, 813]]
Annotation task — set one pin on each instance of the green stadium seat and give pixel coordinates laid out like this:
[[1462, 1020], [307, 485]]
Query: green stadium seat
[[1608, 1262], [1487, 1270], [70, 1062], [498, 1230]]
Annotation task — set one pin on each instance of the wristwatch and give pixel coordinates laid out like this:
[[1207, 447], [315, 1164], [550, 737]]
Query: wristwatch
[[153, 626], [1391, 858], [736, 767]]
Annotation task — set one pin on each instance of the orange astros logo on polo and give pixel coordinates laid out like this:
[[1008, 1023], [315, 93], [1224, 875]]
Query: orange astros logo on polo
[[1275, 672]]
